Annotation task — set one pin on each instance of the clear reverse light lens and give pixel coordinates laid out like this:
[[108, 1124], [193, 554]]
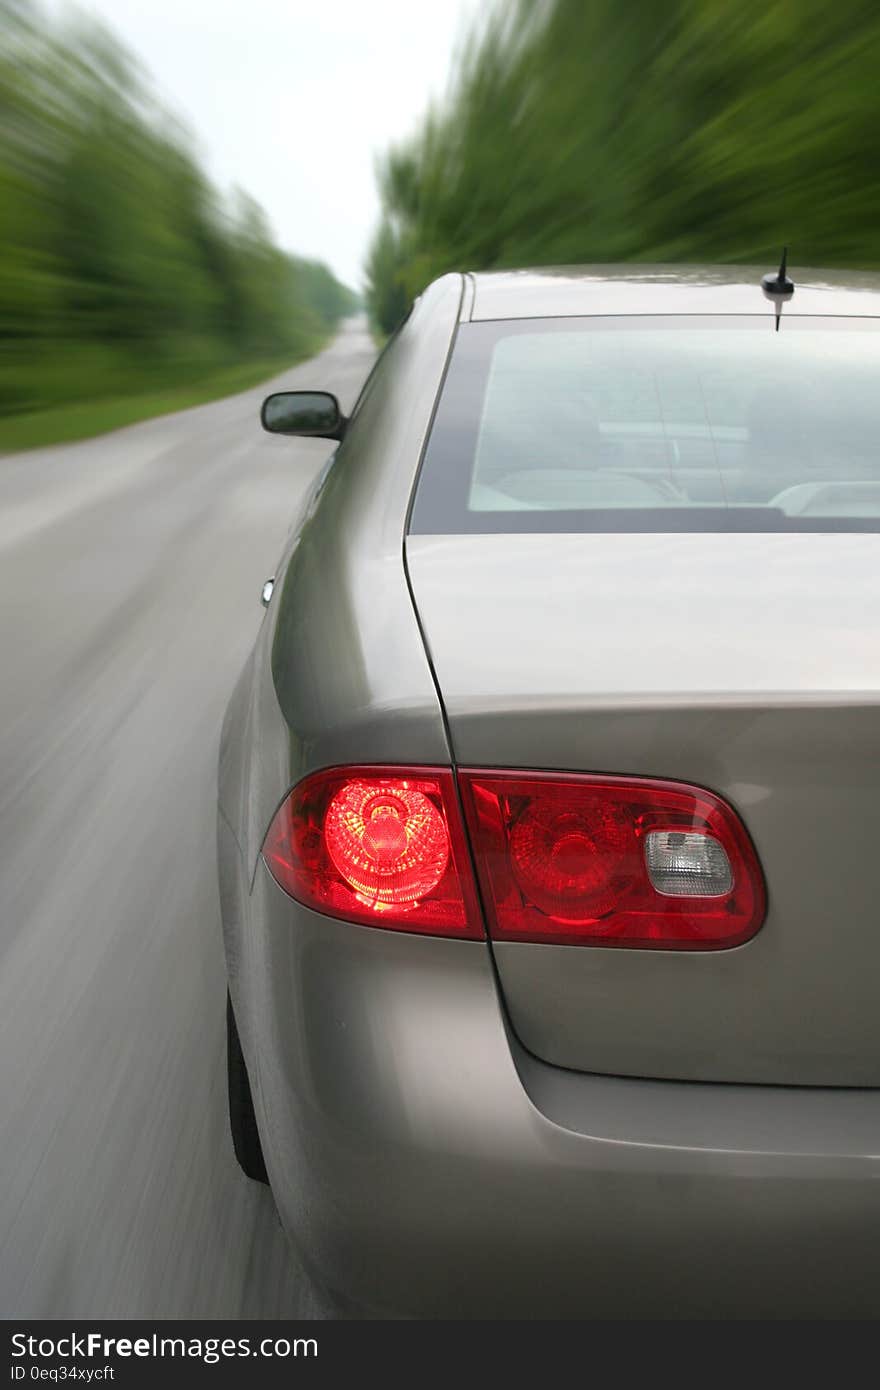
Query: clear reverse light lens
[[682, 864]]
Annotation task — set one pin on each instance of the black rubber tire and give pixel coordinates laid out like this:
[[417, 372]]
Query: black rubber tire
[[242, 1120]]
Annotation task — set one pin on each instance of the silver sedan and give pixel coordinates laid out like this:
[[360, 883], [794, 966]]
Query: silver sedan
[[549, 808]]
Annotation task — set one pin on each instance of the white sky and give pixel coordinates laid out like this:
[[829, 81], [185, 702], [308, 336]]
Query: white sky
[[293, 99]]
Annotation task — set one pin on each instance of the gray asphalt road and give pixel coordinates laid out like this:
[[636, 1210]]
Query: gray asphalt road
[[130, 572]]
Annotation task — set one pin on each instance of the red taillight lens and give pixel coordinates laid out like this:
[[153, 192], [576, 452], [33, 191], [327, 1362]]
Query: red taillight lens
[[382, 846], [611, 861], [566, 858]]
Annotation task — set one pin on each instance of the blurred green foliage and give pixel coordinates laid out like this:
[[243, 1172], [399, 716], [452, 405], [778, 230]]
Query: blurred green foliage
[[653, 130], [121, 269]]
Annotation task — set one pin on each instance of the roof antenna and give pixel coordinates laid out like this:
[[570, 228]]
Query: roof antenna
[[778, 287]]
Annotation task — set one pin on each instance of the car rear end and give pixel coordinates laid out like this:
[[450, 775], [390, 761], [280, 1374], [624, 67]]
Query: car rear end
[[563, 1003]]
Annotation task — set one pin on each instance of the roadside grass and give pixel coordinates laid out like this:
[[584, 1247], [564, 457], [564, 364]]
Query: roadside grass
[[63, 424]]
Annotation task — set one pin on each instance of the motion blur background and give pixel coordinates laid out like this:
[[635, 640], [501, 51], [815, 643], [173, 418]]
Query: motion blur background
[[594, 130], [567, 131]]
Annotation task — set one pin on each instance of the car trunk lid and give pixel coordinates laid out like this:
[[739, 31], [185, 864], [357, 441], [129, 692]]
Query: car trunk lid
[[747, 664]]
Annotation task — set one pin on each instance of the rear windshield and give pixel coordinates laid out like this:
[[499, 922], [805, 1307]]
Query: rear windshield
[[656, 424]]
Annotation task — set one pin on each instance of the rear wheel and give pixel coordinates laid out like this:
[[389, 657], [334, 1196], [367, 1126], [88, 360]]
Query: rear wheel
[[242, 1120]]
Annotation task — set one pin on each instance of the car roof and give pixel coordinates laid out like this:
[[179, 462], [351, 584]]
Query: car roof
[[562, 291]]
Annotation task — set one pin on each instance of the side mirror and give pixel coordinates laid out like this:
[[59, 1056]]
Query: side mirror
[[310, 413]]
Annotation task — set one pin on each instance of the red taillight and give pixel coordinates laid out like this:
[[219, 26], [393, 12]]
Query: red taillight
[[381, 846], [611, 861], [566, 858]]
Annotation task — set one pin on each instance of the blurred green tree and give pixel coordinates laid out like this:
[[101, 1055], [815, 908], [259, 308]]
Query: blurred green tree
[[121, 268], [590, 130]]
